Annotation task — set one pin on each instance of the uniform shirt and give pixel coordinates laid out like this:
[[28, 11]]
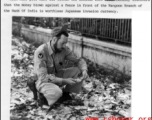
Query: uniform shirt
[[44, 66]]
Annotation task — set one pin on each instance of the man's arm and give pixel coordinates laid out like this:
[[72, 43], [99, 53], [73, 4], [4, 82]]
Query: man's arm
[[40, 69], [78, 60]]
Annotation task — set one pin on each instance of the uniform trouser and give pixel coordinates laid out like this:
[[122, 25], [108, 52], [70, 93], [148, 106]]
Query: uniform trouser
[[53, 92]]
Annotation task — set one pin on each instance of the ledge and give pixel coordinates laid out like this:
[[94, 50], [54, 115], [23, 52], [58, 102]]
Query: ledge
[[109, 47]]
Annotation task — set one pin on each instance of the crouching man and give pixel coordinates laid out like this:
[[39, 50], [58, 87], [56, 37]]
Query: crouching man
[[48, 66]]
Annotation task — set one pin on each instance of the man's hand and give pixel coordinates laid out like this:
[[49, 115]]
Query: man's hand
[[68, 81], [84, 74]]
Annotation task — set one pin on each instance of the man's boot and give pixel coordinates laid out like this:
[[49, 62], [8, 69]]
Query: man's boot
[[42, 100], [32, 86], [65, 97], [37, 96]]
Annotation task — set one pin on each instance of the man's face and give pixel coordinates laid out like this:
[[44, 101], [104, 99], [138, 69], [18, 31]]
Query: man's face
[[60, 44]]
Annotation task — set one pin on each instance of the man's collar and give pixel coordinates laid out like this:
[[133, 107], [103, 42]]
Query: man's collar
[[50, 48]]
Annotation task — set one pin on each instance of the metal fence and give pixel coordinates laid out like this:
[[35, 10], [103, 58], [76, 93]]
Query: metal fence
[[116, 30]]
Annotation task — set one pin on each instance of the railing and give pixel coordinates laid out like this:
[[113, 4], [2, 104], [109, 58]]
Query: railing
[[116, 30]]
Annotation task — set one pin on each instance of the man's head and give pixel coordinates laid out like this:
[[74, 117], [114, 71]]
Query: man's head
[[60, 39], [60, 42]]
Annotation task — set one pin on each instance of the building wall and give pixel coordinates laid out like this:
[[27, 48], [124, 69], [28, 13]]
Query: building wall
[[106, 54]]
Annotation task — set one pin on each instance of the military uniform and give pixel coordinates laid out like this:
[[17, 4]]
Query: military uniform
[[48, 66]]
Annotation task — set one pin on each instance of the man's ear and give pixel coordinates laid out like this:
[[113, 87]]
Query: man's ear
[[54, 39]]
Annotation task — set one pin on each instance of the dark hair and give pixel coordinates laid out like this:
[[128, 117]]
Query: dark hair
[[62, 33]]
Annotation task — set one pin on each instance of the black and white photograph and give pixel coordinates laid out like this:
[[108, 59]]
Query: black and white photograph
[[71, 68]]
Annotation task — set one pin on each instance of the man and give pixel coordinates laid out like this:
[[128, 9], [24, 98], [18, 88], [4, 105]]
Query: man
[[48, 66]]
